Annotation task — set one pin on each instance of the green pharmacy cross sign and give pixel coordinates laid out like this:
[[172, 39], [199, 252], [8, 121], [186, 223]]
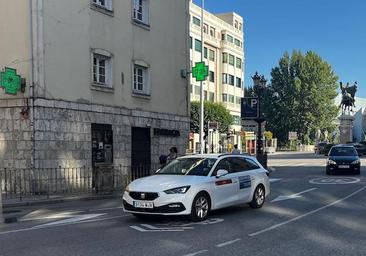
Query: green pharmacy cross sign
[[200, 71], [10, 81]]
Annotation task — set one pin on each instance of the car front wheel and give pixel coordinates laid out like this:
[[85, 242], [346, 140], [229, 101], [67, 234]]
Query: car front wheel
[[200, 207], [258, 197]]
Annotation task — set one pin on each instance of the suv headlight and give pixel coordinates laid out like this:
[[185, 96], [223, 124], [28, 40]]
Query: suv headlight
[[180, 190], [356, 162], [330, 161]]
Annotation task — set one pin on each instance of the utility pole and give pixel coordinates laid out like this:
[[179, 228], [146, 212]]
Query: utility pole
[[201, 92]]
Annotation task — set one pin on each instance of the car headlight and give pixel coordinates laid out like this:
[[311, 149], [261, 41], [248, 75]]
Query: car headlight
[[330, 161], [356, 162], [127, 189], [180, 190]]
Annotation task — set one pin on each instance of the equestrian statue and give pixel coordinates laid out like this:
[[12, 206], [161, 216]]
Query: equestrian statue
[[348, 97]]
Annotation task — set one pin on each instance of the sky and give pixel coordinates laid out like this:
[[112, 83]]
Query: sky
[[334, 29]]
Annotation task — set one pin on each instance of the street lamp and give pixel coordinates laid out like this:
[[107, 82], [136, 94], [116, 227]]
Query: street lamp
[[259, 86]]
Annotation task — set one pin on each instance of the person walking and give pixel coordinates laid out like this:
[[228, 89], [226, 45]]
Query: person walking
[[236, 151], [173, 154]]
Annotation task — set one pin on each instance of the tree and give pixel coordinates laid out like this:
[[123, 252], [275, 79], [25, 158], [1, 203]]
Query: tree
[[214, 112], [300, 97]]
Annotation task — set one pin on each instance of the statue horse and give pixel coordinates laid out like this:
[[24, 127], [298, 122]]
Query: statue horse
[[348, 97]]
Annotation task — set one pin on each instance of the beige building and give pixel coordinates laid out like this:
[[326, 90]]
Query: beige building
[[224, 54], [104, 82]]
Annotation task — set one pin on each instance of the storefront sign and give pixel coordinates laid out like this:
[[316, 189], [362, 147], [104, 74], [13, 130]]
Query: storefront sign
[[166, 132], [10, 81]]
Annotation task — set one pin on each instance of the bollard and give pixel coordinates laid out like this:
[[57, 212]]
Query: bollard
[[1, 207]]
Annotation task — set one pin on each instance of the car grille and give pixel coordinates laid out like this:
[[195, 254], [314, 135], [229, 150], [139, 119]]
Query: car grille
[[148, 196]]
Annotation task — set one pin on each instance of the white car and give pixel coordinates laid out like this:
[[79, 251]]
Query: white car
[[195, 185]]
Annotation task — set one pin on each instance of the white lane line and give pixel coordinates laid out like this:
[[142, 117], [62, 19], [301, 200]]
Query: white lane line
[[164, 228], [274, 180], [60, 225], [155, 230], [228, 243], [196, 253], [293, 196], [306, 214]]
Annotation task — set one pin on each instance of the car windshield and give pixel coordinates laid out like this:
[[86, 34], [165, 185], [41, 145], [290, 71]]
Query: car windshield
[[343, 151], [189, 166]]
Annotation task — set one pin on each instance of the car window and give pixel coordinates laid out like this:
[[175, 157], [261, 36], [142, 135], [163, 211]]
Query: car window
[[224, 164], [189, 166], [343, 151], [239, 164]]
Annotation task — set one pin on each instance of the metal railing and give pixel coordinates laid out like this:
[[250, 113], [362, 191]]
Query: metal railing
[[48, 182]]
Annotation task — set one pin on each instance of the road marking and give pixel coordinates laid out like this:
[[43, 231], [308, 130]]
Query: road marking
[[274, 180], [74, 219], [196, 253], [334, 181], [155, 230], [228, 243], [293, 196], [60, 225], [306, 214], [106, 209]]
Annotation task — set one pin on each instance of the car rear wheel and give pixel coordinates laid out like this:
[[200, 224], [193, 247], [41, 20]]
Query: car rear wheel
[[259, 197], [201, 207]]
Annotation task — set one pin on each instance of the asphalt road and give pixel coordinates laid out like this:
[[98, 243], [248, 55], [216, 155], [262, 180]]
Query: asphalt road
[[307, 213]]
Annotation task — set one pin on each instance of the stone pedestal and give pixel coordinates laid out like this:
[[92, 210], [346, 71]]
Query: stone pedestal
[[346, 128]]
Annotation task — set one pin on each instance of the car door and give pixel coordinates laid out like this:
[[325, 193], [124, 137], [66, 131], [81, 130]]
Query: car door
[[246, 172], [224, 189]]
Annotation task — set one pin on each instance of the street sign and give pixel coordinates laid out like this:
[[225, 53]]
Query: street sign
[[10, 81], [250, 126], [249, 108], [200, 71], [292, 135], [213, 125]]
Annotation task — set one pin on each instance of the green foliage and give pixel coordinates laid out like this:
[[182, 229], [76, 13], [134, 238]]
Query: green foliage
[[301, 97], [214, 112], [268, 135]]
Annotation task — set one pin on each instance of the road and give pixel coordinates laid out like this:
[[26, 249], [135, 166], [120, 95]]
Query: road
[[307, 213]]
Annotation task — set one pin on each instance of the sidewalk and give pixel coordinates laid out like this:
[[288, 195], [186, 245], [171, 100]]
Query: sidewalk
[[16, 208]]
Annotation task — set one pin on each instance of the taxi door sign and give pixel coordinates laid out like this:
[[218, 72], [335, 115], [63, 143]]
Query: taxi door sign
[[245, 182], [249, 108]]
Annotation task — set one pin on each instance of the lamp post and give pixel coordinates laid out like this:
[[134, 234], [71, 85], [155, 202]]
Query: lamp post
[[202, 134], [1, 206], [259, 85]]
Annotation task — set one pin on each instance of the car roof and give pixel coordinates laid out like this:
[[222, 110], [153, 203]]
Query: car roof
[[215, 156], [343, 146]]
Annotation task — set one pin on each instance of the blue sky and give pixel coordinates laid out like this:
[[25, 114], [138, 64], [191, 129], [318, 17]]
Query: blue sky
[[335, 29]]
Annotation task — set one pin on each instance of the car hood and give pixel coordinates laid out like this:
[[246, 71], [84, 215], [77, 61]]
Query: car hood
[[346, 159], [161, 182]]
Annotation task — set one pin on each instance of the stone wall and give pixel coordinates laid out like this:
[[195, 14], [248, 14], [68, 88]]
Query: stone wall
[[63, 134], [15, 135]]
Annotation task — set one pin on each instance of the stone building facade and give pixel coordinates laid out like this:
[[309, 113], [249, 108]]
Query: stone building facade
[[104, 83]]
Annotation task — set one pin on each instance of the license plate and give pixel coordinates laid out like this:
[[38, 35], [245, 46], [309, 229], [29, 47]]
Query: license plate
[[343, 166], [148, 205]]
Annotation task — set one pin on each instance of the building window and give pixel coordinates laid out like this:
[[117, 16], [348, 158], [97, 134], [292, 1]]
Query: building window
[[224, 78], [212, 96], [229, 38], [223, 37], [238, 82], [212, 55], [240, 26], [237, 120], [141, 11], [224, 97], [238, 100], [237, 42], [212, 31], [102, 144], [224, 57], [238, 63], [197, 45], [190, 42], [231, 98], [140, 80], [102, 70], [196, 21], [197, 90], [205, 95], [205, 53], [205, 28], [231, 60], [231, 79], [236, 24], [212, 76], [105, 4]]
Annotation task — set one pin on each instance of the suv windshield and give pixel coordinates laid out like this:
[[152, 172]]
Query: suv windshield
[[343, 151], [189, 166]]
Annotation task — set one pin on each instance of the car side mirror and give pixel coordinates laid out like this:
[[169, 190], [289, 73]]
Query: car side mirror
[[221, 173]]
